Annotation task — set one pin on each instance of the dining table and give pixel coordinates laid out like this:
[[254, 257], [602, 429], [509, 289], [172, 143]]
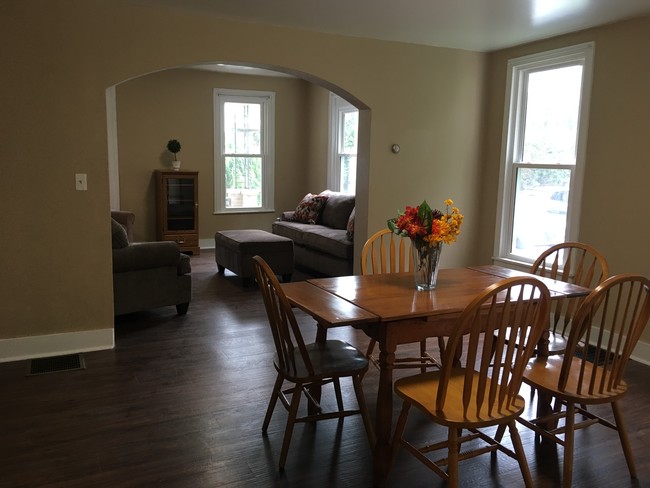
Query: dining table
[[389, 309]]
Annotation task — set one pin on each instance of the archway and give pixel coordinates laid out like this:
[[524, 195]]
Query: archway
[[362, 190]]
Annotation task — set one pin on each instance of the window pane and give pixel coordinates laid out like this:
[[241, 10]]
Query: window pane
[[242, 123], [349, 139], [540, 214], [243, 182], [552, 109], [348, 174]]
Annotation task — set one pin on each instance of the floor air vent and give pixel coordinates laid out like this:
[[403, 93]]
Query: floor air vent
[[56, 364]]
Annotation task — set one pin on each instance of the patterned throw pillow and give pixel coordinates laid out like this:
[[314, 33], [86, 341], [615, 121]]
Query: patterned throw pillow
[[309, 208], [350, 227]]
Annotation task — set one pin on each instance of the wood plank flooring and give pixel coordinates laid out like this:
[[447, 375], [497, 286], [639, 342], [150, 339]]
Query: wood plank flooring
[[180, 400]]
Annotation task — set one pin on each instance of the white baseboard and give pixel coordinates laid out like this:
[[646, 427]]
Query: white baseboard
[[641, 353], [98, 340], [56, 344], [206, 243]]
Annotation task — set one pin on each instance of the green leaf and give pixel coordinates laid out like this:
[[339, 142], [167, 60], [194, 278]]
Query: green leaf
[[392, 226], [426, 215]]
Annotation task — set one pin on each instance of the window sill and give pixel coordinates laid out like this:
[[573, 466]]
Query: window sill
[[511, 263], [244, 211]]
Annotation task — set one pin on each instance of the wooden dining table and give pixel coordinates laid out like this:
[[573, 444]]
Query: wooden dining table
[[389, 309]]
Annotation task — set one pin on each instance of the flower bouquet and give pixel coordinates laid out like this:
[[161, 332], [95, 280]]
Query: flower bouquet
[[428, 230]]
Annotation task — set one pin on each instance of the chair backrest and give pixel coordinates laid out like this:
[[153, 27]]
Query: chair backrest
[[572, 262], [497, 317], [386, 252], [605, 330], [289, 343]]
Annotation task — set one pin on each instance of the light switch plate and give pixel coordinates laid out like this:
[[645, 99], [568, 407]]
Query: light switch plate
[[81, 181]]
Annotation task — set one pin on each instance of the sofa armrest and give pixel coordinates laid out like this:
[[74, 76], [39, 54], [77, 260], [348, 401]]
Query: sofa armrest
[[146, 255], [126, 220], [287, 216]]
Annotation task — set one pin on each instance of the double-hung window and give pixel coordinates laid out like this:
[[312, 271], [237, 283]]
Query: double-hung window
[[344, 126], [244, 150], [543, 158]]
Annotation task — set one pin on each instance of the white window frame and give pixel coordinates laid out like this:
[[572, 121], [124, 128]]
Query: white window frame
[[267, 101], [337, 108], [512, 147]]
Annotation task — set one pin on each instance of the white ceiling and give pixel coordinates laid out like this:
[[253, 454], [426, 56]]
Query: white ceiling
[[476, 25]]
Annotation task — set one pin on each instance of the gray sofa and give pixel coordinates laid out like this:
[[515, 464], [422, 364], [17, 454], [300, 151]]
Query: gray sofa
[[327, 245], [147, 275]]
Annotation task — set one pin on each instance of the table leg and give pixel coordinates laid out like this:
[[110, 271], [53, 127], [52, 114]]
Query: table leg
[[384, 420], [544, 401], [315, 388]]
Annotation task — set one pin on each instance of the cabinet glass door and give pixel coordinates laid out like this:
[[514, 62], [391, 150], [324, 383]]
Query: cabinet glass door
[[180, 204]]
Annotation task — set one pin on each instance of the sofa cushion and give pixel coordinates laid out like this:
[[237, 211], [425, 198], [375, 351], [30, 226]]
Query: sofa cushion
[[309, 208], [118, 234], [292, 230], [329, 241], [317, 237], [337, 210]]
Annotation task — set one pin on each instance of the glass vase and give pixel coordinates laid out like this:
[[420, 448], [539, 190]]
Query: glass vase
[[425, 264]]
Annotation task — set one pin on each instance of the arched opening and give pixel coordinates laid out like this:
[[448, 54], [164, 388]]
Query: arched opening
[[113, 121]]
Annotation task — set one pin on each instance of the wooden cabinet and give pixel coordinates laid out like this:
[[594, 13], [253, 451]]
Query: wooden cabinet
[[177, 208]]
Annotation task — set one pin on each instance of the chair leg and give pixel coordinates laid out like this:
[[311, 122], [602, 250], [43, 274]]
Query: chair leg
[[337, 392], [521, 455], [363, 408], [274, 399], [291, 420], [371, 348], [454, 447], [625, 441], [423, 352], [501, 429], [441, 345], [568, 445], [399, 430]]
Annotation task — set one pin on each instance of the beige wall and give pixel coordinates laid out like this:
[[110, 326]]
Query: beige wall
[[178, 104], [615, 208], [63, 57], [441, 105], [318, 137]]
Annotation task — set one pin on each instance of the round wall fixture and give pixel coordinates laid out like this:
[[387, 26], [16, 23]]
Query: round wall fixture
[[395, 148]]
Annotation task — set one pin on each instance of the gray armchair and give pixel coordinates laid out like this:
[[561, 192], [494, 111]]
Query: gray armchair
[[147, 275]]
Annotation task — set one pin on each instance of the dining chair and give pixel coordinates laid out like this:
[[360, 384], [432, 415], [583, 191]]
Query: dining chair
[[478, 395], [303, 366], [571, 262], [609, 323], [386, 252]]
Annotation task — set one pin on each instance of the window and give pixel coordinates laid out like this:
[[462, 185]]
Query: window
[[344, 124], [244, 150], [544, 151]]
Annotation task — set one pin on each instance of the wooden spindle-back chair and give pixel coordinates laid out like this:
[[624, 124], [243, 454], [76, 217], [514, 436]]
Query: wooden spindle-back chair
[[306, 365], [386, 252], [479, 394], [604, 332]]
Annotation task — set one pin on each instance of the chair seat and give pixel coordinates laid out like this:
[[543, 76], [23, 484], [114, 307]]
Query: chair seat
[[422, 390], [331, 358], [544, 374]]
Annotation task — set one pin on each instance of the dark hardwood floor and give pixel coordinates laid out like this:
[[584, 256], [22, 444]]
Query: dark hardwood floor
[[180, 401]]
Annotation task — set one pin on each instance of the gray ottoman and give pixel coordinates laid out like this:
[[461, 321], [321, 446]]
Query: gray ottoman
[[234, 249]]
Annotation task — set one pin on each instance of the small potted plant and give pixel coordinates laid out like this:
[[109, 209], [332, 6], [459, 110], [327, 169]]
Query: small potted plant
[[174, 147]]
